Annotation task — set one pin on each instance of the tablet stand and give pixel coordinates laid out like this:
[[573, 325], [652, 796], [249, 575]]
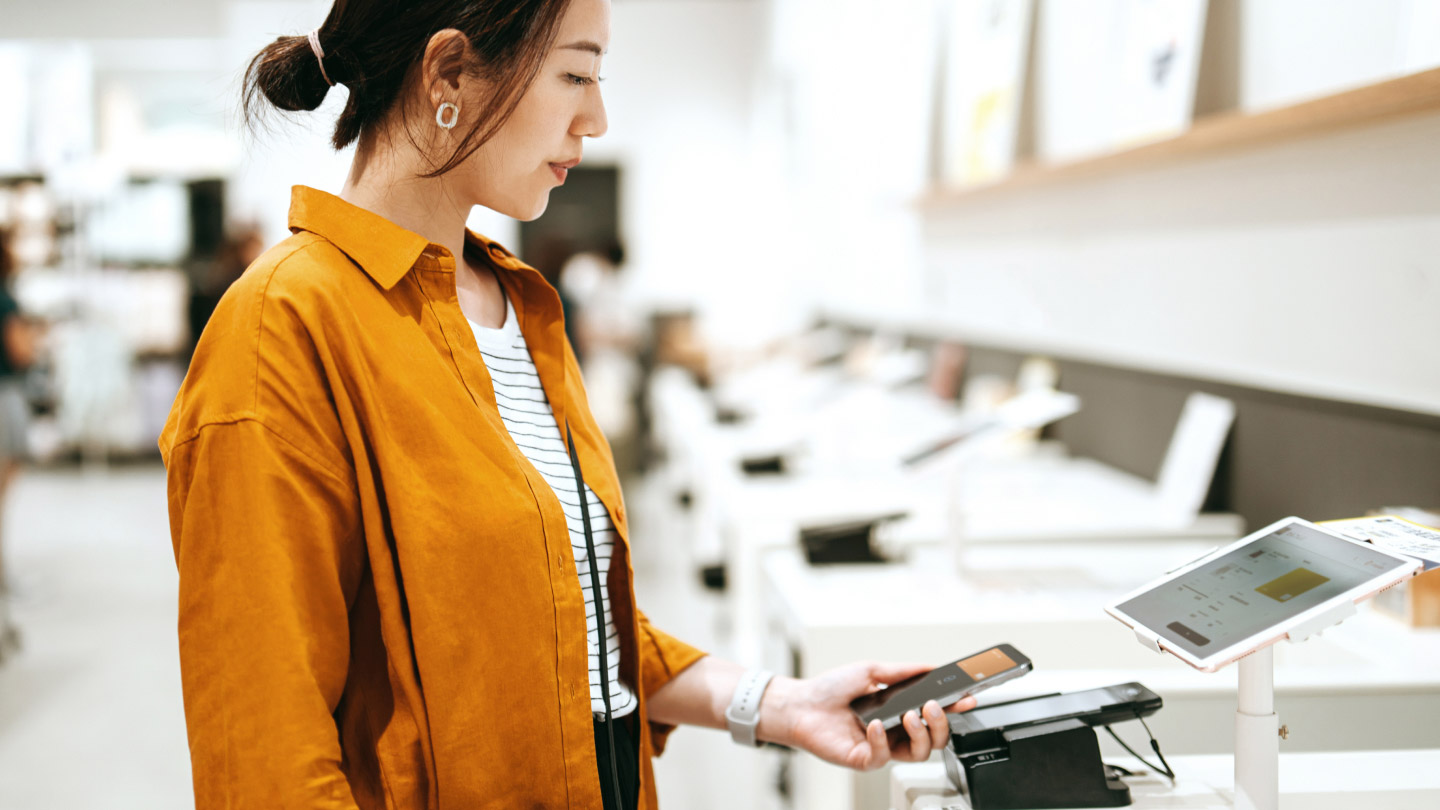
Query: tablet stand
[[1257, 734], [1257, 727]]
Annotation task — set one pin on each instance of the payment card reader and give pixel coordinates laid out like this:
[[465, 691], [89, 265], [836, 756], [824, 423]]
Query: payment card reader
[[1042, 752]]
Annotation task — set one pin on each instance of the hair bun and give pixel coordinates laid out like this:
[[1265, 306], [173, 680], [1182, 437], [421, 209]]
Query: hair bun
[[288, 74], [374, 48]]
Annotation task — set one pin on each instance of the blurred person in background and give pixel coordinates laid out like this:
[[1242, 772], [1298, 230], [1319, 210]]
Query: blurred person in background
[[605, 333], [240, 249], [405, 578], [18, 339], [551, 256]]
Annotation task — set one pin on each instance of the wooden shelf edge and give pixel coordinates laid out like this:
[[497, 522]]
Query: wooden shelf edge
[[1408, 95]]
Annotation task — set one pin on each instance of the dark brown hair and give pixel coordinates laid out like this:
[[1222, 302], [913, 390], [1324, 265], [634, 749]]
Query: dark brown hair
[[372, 45]]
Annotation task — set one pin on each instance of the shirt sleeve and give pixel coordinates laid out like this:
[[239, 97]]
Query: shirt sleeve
[[267, 540], [662, 657]]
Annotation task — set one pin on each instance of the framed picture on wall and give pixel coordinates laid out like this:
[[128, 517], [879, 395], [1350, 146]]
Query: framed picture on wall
[[1420, 34], [1113, 73], [1159, 64], [985, 57]]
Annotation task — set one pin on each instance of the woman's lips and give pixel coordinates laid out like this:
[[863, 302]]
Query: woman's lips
[[563, 169]]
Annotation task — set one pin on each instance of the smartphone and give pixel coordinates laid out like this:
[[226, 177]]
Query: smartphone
[[944, 685]]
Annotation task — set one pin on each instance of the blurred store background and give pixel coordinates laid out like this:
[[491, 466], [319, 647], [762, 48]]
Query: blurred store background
[[811, 221]]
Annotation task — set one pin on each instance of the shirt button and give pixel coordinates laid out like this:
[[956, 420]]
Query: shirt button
[[559, 563]]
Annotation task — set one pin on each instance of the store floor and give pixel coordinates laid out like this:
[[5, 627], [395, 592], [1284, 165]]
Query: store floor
[[90, 709]]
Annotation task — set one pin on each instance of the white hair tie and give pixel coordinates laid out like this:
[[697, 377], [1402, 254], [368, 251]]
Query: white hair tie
[[314, 37]]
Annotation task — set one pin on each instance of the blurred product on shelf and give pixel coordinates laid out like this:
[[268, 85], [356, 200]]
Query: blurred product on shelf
[[112, 359], [1416, 602], [107, 270], [678, 343], [29, 213], [96, 401], [947, 369]]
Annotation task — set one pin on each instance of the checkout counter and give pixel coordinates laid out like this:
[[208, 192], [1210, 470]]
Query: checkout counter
[[1327, 780], [960, 572], [1346, 691]]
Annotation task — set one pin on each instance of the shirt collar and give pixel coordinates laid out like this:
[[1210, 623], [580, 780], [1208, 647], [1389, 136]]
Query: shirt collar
[[384, 250]]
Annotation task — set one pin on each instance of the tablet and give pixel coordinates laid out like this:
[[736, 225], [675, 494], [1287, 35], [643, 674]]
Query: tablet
[[1253, 592]]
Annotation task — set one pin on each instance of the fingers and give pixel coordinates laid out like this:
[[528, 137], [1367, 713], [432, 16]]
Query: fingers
[[964, 704], [879, 745], [927, 736], [920, 740], [938, 726]]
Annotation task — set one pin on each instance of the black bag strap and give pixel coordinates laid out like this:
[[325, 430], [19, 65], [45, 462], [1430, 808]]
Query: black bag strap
[[599, 613]]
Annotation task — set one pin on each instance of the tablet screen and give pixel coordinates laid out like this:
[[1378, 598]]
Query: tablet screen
[[1256, 586]]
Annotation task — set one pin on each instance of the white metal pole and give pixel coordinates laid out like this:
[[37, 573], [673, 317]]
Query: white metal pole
[[1257, 734]]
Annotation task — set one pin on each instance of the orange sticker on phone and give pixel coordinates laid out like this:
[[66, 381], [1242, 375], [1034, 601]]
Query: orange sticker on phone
[[990, 662]]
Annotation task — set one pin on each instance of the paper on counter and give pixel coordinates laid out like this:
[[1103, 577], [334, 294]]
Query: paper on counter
[[1396, 535]]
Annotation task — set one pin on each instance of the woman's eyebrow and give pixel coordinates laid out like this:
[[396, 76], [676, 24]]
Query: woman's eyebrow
[[584, 45]]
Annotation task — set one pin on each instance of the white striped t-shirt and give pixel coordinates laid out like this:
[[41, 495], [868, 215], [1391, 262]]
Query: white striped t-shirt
[[527, 416]]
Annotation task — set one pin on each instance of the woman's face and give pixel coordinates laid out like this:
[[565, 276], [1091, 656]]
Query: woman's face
[[514, 171]]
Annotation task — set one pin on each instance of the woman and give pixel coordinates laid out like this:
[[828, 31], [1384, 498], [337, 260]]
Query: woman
[[386, 488]]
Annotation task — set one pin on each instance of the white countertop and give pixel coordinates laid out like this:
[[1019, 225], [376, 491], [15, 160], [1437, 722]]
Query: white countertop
[[1354, 780], [1091, 648]]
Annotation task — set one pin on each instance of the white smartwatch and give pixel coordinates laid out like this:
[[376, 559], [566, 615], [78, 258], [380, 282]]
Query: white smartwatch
[[743, 715]]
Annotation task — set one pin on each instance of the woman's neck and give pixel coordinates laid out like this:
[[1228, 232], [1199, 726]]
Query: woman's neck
[[384, 182]]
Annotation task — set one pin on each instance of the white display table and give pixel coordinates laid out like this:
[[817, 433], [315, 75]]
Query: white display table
[[1362, 687], [1348, 780]]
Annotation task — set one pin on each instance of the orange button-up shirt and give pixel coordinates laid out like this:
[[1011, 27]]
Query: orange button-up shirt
[[379, 606]]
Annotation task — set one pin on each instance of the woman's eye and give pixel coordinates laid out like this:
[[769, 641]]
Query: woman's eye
[[581, 81]]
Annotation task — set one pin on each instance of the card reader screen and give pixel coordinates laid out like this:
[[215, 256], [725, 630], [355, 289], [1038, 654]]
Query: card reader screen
[[1048, 708], [1253, 587]]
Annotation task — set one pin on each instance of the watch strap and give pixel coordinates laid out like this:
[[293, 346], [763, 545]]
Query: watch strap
[[743, 715]]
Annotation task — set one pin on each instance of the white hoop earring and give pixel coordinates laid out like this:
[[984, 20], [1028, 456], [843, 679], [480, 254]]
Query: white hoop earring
[[440, 115]]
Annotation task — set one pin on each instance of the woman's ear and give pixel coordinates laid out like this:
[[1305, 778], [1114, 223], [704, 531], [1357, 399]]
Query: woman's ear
[[443, 65]]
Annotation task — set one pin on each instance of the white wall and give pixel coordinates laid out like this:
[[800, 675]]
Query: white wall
[[842, 142], [1310, 267], [89, 19], [677, 91], [296, 149]]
